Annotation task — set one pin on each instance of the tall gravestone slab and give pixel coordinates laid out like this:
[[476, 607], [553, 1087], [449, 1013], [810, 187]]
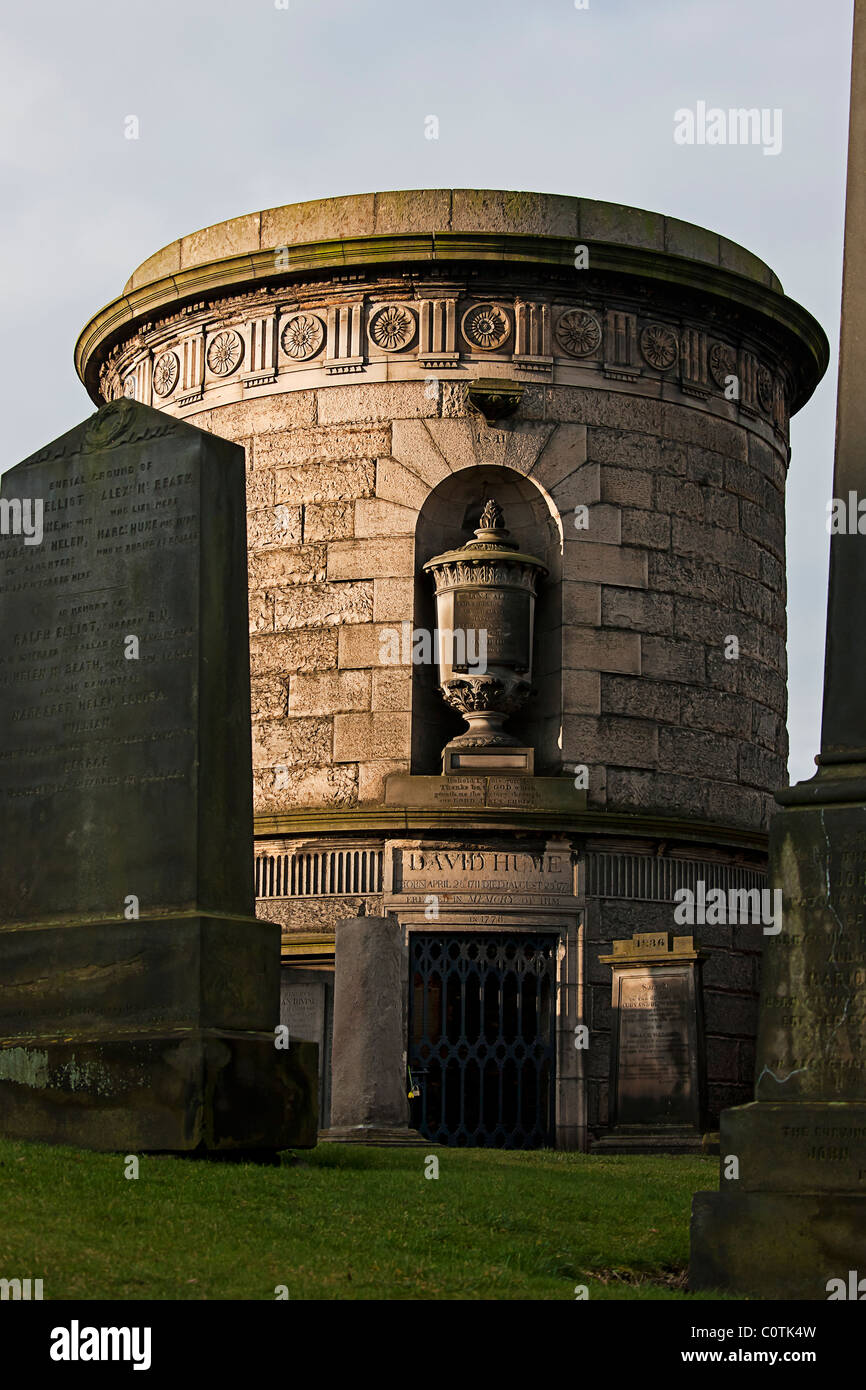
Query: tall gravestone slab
[[658, 1071], [138, 992], [790, 1219], [369, 1099]]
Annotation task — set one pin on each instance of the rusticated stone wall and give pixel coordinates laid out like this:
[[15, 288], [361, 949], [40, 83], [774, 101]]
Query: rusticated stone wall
[[684, 550], [657, 388]]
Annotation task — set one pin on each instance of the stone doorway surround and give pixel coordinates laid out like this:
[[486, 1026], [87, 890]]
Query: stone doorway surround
[[509, 888]]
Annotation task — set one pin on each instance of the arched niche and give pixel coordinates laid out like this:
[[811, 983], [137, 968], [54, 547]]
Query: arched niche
[[446, 520]]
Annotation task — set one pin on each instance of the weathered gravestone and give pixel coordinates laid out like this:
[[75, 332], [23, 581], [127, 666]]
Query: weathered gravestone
[[138, 993], [369, 1099], [306, 1010], [790, 1219], [657, 1073]]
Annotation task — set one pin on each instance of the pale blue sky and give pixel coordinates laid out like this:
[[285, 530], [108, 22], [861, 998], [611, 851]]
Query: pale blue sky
[[243, 105]]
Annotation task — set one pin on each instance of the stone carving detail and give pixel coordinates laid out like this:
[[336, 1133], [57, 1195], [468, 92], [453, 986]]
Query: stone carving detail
[[225, 352], [392, 328], [129, 387], [722, 362], [303, 336], [485, 326], [659, 346], [492, 573], [764, 384], [469, 694], [120, 422], [578, 333], [165, 373]]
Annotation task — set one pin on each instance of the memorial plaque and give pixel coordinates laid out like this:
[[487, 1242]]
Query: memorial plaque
[[499, 791], [138, 991], [504, 615], [482, 881], [657, 1055], [302, 1010], [655, 1048]]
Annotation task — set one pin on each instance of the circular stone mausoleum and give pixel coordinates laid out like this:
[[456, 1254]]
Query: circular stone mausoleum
[[619, 384]]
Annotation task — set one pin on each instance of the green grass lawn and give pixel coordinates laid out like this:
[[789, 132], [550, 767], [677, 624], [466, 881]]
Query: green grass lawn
[[347, 1222]]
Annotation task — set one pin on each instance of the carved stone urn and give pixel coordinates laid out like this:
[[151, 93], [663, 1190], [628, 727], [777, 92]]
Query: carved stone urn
[[485, 614]]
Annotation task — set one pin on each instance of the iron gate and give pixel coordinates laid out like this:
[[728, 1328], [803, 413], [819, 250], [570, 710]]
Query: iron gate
[[482, 1033]]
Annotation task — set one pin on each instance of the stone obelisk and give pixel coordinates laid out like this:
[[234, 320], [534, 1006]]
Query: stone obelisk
[[790, 1219]]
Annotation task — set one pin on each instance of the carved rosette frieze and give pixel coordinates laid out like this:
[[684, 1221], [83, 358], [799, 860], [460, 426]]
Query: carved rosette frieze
[[485, 327], [225, 352], [302, 337], [391, 328], [166, 371], [722, 361], [175, 361], [660, 346], [765, 389], [578, 333]]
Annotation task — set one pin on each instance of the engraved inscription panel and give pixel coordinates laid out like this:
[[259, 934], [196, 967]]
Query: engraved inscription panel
[[302, 1010], [656, 1047], [504, 615], [812, 1032], [497, 790], [491, 879], [99, 684]]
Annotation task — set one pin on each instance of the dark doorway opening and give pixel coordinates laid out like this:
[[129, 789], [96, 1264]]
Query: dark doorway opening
[[482, 1038]]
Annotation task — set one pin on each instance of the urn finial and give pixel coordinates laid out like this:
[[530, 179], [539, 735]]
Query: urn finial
[[492, 518]]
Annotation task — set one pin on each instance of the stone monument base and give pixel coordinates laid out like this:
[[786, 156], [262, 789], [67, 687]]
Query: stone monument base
[[795, 1217], [779, 1245], [376, 1137], [638, 1141], [195, 1090], [154, 1034]]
